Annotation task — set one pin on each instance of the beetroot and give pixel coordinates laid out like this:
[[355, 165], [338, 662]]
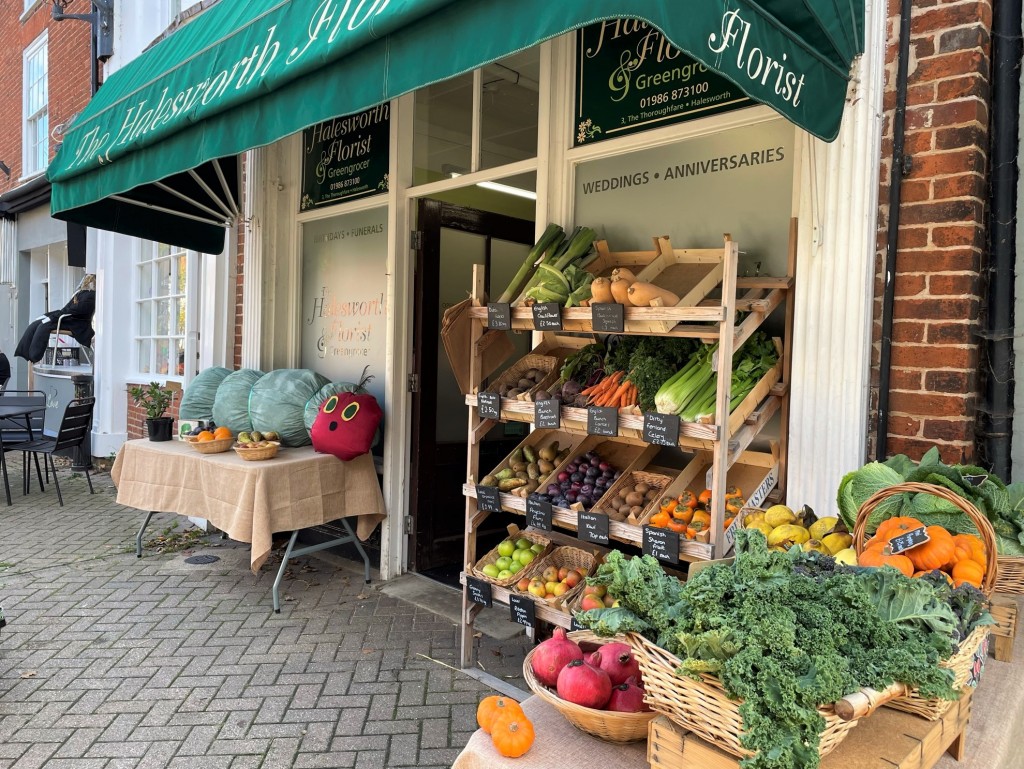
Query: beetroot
[[627, 697], [553, 655], [617, 661], [585, 684]]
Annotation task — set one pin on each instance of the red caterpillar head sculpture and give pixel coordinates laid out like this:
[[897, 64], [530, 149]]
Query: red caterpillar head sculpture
[[345, 425]]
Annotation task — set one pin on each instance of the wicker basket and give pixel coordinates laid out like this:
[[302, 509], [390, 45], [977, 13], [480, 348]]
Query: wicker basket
[[215, 446], [981, 523], [256, 454], [1011, 575], [630, 479], [569, 557], [603, 724], [703, 707], [527, 571], [966, 665], [546, 363]]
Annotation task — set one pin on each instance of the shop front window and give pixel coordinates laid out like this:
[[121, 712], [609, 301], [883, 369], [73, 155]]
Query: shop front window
[[161, 284]]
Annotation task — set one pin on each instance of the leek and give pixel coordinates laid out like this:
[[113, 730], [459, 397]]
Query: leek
[[552, 235]]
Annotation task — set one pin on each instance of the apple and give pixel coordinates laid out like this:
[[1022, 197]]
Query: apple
[[609, 600], [597, 591], [537, 588], [506, 548], [504, 574], [550, 574], [563, 573], [523, 585], [583, 574], [550, 586], [490, 570], [537, 548], [523, 544], [503, 563], [572, 579], [560, 589], [515, 567], [590, 602]]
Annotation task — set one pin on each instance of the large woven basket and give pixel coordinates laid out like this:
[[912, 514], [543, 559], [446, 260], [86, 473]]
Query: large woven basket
[[606, 725], [981, 523], [527, 571], [1011, 575], [703, 707], [545, 363], [966, 665], [569, 557], [215, 446]]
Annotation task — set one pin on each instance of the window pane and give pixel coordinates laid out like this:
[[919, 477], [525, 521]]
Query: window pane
[[179, 317], [443, 129], [164, 283], [181, 273], [145, 281], [180, 355], [163, 317], [163, 352], [146, 319], [145, 353], [508, 109]]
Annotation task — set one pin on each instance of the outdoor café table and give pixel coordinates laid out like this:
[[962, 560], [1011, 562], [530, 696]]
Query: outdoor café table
[[250, 501], [11, 414]]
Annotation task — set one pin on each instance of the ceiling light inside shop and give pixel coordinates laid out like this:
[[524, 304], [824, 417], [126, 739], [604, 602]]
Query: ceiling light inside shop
[[499, 187]]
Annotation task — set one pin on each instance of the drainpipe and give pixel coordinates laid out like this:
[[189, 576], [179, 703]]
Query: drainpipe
[[996, 422], [899, 167]]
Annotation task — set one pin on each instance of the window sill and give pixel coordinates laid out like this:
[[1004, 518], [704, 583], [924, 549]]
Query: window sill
[[26, 178], [30, 10]]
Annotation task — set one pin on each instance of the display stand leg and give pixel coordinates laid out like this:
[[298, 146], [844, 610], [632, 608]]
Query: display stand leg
[[957, 748], [787, 359], [138, 537]]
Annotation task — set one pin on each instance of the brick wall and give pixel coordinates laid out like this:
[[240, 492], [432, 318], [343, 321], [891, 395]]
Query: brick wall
[[69, 78], [940, 251], [137, 416]]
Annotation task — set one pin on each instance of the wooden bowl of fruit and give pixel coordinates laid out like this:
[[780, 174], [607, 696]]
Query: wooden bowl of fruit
[[256, 446], [211, 441]]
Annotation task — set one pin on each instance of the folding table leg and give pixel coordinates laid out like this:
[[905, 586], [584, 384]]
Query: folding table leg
[[138, 538], [280, 572], [359, 547], [7, 483]]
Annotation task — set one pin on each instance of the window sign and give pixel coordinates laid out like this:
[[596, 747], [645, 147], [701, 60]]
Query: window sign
[[629, 78], [344, 287], [346, 158]]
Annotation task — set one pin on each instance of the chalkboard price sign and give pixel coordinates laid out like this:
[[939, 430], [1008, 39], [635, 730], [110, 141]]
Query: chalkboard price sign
[[609, 318], [602, 420], [661, 429], [499, 316], [488, 405], [488, 498], [907, 541], [592, 527], [663, 544], [547, 316], [574, 624], [538, 512], [478, 591], [522, 610], [547, 414]]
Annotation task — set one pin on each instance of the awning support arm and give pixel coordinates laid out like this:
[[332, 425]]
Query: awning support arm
[[227, 190], [186, 198], [211, 193], [162, 209]]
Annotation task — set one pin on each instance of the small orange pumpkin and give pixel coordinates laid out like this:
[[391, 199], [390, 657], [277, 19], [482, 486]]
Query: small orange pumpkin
[[512, 734], [493, 707], [876, 556], [969, 571], [896, 526], [968, 546], [935, 553]]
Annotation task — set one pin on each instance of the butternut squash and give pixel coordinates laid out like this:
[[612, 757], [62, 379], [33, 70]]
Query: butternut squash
[[642, 294], [625, 274], [620, 290], [601, 291]]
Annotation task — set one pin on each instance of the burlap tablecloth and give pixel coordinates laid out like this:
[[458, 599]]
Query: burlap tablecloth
[[558, 745], [249, 500]]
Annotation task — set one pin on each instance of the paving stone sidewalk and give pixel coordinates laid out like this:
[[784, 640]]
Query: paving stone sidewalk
[[110, 662]]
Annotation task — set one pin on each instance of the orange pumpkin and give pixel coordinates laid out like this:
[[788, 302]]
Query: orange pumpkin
[[969, 547], [877, 557], [896, 526], [512, 734], [935, 553], [493, 707], [969, 571]]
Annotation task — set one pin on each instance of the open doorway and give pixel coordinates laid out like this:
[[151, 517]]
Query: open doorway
[[453, 239]]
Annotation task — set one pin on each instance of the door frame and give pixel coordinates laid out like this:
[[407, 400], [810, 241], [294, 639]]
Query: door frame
[[431, 217]]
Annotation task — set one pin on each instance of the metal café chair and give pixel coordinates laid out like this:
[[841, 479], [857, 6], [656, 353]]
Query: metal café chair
[[22, 413], [74, 426]]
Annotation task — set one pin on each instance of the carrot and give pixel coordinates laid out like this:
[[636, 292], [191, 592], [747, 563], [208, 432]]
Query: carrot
[[598, 388], [620, 390]]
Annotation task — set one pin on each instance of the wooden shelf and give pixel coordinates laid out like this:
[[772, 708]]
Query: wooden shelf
[[544, 611]]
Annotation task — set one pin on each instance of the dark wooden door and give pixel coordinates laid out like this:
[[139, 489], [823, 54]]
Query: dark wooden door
[[438, 455]]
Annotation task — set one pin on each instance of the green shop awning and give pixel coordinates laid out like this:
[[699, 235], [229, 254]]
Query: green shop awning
[[154, 153]]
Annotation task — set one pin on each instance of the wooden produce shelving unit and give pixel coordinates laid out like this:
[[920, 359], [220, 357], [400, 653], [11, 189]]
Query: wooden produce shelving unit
[[721, 444]]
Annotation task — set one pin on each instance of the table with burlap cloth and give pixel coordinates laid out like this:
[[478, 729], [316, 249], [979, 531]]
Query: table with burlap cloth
[[249, 501], [558, 745]]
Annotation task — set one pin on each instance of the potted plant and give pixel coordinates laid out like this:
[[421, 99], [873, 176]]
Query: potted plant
[[155, 399]]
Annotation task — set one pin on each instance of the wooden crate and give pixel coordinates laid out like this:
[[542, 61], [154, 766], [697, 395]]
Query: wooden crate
[[607, 260], [1004, 612], [623, 456], [888, 738], [549, 364], [761, 390], [660, 477], [538, 439]]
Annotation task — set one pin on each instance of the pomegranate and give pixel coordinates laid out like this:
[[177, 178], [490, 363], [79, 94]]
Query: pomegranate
[[584, 683], [553, 655], [617, 661], [627, 697]]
